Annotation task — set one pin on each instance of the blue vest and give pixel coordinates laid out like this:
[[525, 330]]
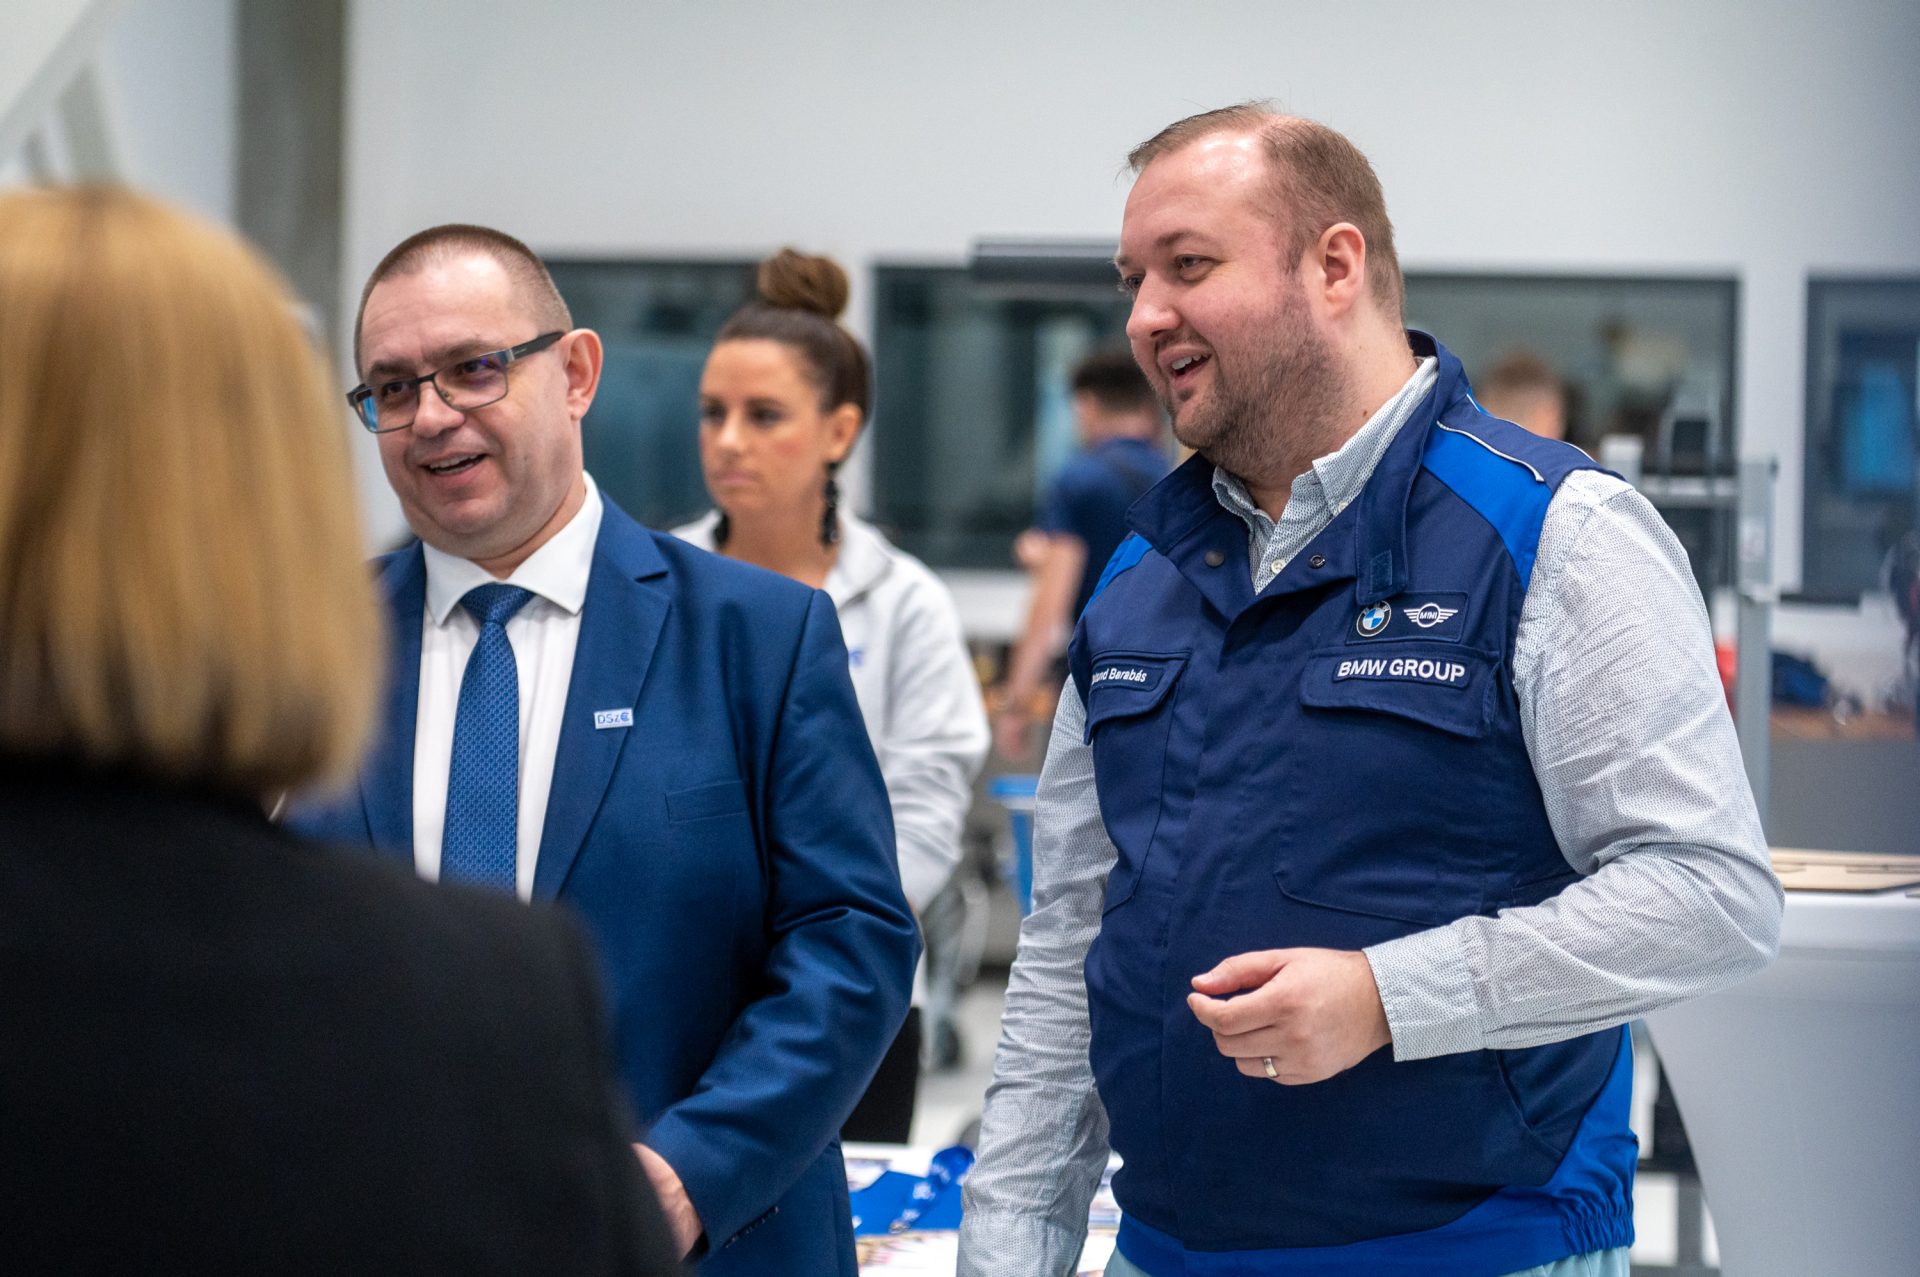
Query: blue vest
[[1335, 762]]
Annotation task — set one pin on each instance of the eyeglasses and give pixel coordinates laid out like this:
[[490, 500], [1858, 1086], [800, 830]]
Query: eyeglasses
[[465, 384]]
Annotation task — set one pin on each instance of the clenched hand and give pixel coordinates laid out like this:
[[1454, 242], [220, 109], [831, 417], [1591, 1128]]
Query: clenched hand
[[1313, 1012]]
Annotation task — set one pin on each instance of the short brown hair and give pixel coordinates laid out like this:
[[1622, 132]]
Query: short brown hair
[[1113, 378], [1520, 372], [442, 243], [1319, 179], [182, 590]]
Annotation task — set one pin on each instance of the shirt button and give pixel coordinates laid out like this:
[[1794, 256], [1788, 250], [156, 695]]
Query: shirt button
[[1317, 561], [1215, 558]]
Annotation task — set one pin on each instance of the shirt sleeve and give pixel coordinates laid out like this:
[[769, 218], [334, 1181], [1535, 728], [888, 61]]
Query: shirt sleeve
[[1627, 727], [1043, 1136], [933, 740]]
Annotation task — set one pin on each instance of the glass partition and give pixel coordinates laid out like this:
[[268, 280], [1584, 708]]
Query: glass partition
[[1863, 414], [972, 411], [1647, 367], [657, 319]]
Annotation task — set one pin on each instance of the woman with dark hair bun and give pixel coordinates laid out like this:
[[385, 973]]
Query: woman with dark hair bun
[[784, 395]]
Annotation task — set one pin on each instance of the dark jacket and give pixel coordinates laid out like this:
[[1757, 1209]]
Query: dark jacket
[[223, 1049]]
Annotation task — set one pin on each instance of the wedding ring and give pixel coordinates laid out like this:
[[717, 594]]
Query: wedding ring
[[1272, 1075]]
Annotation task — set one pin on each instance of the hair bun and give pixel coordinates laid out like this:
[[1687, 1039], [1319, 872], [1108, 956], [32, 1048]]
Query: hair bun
[[793, 280]]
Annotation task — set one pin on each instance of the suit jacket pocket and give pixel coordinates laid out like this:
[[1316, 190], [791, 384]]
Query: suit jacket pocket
[[703, 802]]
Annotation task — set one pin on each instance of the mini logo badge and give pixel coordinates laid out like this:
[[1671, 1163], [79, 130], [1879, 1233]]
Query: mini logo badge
[[1373, 619], [605, 718], [1428, 615]]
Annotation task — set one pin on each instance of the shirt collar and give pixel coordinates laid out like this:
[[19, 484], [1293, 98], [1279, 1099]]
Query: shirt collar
[[1333, 481], [863, 562], [557, 571]]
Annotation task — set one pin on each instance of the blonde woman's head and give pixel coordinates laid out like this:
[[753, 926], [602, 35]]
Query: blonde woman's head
[[181, 582]]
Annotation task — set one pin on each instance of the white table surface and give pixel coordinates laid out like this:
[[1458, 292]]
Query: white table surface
[[1801, 1093]]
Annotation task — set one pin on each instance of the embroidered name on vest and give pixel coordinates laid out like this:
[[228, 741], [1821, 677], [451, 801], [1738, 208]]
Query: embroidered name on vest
[[1405, 669], [1121, 674]]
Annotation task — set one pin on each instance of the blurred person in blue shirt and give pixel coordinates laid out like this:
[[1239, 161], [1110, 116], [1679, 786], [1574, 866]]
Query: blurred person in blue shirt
[[1083, 521]]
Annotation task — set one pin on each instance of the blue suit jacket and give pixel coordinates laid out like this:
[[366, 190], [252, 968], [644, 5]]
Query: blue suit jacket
[[732, 854]]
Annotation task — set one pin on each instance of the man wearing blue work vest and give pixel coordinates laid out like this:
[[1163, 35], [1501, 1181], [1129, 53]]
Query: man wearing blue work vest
[[1392, 778]]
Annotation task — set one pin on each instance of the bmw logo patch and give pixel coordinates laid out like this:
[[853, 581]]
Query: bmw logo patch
[[1373, 619]]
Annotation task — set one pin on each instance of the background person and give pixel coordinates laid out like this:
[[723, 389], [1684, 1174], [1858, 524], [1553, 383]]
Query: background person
[[222, 1049], [1082, 522], [1392, 778], [1523, 388], [783, 397], [581, 710]]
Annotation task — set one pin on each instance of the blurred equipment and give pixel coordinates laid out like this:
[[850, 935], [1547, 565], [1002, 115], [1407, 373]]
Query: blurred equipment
[[1623, 454], [1016, 794], [1798, 681], [1862, 430], [1690, 442], [1902, 575], [954, 926], [1753, 627]]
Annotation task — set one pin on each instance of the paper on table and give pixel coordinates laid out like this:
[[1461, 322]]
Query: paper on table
[[1851, 871]]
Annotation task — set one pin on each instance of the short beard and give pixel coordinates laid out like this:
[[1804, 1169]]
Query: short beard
[[1275, 409]]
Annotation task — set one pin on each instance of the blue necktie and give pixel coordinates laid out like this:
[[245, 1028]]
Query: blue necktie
[[483, 785]]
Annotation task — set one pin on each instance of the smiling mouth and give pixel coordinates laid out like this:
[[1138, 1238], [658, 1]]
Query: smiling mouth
[[453, 465], [1182, 369]]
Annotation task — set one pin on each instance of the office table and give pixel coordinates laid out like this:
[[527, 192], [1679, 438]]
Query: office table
[[934, 1253], [1801, 1093]]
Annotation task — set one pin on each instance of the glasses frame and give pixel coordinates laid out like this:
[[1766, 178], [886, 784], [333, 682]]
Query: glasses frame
[[360, 398]]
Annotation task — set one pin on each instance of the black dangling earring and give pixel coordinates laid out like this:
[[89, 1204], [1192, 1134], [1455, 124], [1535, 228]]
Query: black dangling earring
[[722, 529], [830, 520]]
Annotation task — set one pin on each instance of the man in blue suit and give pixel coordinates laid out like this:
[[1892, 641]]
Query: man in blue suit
[[581, 710]]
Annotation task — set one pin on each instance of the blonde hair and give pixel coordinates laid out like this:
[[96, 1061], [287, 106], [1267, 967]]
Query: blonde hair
[[181, 580]]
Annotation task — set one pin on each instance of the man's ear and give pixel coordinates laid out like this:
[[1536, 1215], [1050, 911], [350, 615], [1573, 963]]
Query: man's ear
[[582, 358], [1338, 264]]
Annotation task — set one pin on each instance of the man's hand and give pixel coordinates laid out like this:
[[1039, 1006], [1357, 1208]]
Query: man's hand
[[682, 1219], [1314, 1012]]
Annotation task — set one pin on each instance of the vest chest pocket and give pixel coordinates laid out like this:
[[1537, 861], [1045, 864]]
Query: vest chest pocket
[[1130, 698], [1443, 687], [1397, 783]]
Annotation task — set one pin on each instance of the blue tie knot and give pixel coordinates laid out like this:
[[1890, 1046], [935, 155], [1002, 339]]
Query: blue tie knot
[[495, 604]]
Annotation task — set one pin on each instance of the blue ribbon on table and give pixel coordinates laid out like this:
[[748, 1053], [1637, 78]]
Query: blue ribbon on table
[[897, 1202]]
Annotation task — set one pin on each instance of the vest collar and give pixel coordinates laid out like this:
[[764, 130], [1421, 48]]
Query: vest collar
[[1366, 543]]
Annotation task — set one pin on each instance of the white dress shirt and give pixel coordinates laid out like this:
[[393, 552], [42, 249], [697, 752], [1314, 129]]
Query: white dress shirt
[[543, 635]]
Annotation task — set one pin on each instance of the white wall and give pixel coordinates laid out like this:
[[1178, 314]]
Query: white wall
[[1764, 138], [167, 74], [165, 70]]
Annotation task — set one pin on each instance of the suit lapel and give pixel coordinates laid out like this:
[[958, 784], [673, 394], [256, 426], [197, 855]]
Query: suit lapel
[[386, 781], [626, 604]]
